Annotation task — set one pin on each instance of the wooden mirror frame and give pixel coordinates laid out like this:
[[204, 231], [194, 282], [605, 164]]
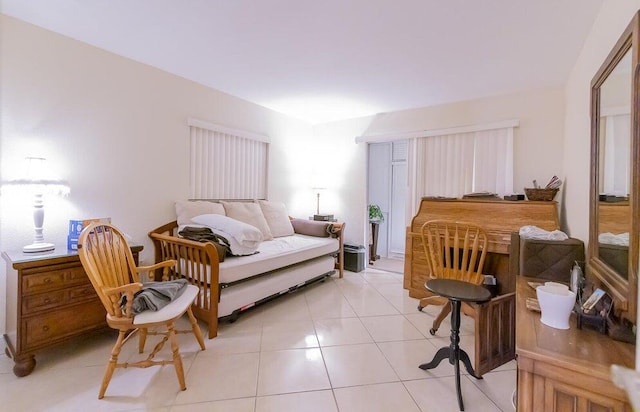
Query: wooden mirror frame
[[623, 291]]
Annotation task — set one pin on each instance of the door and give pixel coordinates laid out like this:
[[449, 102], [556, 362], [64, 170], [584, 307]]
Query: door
[[387, 188]]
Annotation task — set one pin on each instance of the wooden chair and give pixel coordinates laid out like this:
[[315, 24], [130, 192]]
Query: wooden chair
[[454, 250], [109, 263]]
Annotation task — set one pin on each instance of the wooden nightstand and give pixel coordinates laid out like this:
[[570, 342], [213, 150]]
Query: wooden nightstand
[[49, 301]]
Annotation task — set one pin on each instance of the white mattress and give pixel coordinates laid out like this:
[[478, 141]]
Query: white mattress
[[244, 295], [275, 254]]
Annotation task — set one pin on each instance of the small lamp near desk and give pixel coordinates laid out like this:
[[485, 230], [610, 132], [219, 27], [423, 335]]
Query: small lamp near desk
[[317, 215], [37, 183]]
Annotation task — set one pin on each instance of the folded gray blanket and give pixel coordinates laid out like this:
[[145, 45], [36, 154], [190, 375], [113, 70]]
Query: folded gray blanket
[[155, 295]]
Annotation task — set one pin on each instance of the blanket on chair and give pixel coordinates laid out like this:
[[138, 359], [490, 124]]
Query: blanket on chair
[[155, 295]]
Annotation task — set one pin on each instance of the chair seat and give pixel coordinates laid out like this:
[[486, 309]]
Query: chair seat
[[173, 310]]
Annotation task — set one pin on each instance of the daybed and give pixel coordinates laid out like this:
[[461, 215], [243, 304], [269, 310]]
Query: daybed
[[296, 252]]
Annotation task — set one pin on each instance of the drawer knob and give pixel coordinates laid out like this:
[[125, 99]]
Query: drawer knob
[[47, 300], [45, 328], [47, 280]]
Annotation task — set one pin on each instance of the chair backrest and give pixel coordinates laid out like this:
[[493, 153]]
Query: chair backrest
[[108, 262], [455, 250]]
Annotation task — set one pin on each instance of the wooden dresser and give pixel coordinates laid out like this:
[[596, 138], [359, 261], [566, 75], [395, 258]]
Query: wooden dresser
[[495, 320], [566, 370], [49, 301]]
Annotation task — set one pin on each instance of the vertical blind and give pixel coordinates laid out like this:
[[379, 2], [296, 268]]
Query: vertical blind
[[452, 165], [614, 156], [227, 164]]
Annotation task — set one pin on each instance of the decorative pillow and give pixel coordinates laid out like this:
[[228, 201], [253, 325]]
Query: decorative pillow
[[311, 227], [277, 218], [187, 209], [241, 238], [250, 213]]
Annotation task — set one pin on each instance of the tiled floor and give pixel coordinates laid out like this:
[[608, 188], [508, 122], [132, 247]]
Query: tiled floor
[[351, 344], [388, 264]]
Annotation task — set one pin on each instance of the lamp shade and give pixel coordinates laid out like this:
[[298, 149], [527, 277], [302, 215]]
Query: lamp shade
[[36, 178], [37, 182]]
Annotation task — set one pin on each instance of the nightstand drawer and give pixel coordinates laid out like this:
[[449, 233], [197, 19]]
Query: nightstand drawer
[[57, 298], [49, 327], [53, 279], [43, 301], [84, 292]]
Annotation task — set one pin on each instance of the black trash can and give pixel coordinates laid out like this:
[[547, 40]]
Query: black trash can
[[354, 258]]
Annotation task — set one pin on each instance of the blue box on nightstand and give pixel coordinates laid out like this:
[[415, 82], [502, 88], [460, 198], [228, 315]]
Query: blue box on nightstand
[[76, 226], [72, 242]]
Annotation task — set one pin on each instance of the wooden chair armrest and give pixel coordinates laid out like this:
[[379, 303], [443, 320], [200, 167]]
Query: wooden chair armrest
[[115, 295], [165, 265], [133, 287]]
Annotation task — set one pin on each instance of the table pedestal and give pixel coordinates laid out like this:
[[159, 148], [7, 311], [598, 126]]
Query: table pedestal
[[453, 352], [456, 291]]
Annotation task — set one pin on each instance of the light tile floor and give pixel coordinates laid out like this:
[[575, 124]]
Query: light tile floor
[[351, 344]]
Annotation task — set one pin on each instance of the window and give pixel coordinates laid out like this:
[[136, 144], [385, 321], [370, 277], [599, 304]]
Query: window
[[226, 163], [451, 165]]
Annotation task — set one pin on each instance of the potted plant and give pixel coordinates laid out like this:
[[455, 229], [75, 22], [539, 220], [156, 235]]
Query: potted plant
[[375, 214]]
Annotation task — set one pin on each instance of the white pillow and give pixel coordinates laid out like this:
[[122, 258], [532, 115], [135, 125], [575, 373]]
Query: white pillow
[[250, 213], [275, 213], [535, 232], [243, 233], [238, 249], [187, 209]]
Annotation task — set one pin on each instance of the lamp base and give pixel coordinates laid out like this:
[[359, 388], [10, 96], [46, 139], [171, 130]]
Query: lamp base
[[38, 247]]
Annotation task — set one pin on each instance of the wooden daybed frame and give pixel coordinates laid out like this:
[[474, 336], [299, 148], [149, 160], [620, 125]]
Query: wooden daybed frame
[[200, 256]]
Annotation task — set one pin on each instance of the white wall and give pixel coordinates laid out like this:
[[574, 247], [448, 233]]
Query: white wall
[[613, 18], [114, 129], [538, 142]]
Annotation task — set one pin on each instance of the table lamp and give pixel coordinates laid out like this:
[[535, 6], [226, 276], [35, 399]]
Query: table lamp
[[37, 183]]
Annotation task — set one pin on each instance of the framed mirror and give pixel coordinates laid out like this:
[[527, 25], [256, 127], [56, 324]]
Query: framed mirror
[[615, 173]]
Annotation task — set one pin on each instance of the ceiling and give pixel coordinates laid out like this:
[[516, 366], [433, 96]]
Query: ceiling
[[325, 60]]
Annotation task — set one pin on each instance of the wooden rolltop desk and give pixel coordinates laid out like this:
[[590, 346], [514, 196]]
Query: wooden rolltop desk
[[495, 320]]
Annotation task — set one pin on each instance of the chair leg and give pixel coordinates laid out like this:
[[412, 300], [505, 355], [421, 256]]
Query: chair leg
[[424, 302], [196, 328], [111, 365], [142, 339], [446, 310], [177, 359], [433, 300]]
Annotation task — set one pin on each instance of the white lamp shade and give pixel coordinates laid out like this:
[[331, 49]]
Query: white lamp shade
[[37, 183]]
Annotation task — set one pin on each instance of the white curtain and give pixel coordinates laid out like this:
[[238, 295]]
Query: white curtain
[[615, 156], [226, 165], [456, 164]]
